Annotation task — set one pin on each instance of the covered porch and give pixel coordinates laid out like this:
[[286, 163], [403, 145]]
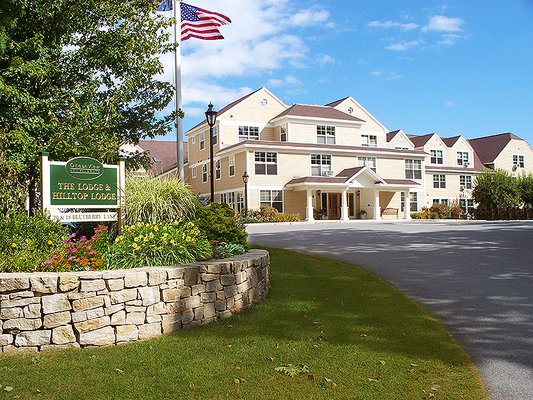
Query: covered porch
[[355, 193]]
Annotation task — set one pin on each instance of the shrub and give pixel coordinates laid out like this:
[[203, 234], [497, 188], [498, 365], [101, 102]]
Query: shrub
[[219, 222], [224, 250], [441, 210], [155, 200], [27, 242], [270, 214], [456, 212], [179, 242], [81, 254]]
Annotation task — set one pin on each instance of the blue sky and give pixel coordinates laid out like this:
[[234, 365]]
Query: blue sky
[[450, 67]]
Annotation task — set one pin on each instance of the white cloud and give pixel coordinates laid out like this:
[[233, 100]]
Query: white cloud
[[387, 75], [391, 24], [403, 45], [310, 16], [260, 40], [448, 39], [288, 80], [440, 23], [449, 103]]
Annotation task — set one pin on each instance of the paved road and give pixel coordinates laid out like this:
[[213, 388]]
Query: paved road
[[476, 276]]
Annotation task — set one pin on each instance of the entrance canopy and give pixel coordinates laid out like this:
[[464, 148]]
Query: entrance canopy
[[362, 181], [352, 178]]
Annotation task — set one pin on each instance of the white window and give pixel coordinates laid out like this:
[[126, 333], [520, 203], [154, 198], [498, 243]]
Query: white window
[[465, 181], [325, 134], [272, 198], [193, 139], [440, 201], [320, 164], [231, 165], [266, 163], [217, 169], [436, 157], [223, 198], [369, 141], [240, 202], [248, 133], [367, 161], [193, 172], [467, 205], [463, 158], [231, 199], [202, 141], [413, 169], [439, 181], [215, 135], [518, 160], [413, 201], [204, 173], [283, 134]]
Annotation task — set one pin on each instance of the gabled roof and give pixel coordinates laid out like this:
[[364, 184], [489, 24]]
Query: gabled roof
[[392, 134], [163, 155], [337, 102], [451, 140], [489, 147], [231, 105], [323, 112], [349, 172], [420, 141]]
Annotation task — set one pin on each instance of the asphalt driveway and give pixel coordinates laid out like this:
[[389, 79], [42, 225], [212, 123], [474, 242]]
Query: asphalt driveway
[[476, 276]]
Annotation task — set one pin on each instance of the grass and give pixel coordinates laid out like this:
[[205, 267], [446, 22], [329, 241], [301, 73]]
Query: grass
[[360, 338]]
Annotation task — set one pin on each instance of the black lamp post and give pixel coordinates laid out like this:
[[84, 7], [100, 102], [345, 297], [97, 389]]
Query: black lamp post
[[245, 178], [211, 118]]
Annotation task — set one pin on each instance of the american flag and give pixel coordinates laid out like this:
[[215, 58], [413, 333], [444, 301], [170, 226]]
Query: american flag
[[197, 22]]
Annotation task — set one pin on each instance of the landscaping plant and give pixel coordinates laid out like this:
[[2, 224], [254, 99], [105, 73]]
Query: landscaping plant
[[175, 243], [270, 214], [81, 254], [225, 250], [157, 200], [27, 242], [219, 222]]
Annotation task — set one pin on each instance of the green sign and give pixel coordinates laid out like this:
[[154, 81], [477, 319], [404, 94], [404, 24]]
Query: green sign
[[84, 168], [83, 182]]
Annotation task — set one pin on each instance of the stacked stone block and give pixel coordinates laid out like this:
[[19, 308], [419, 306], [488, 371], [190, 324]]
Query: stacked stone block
[[43, 311]]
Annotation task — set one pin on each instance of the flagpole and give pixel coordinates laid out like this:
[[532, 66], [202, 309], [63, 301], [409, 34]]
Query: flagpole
[[177, 77]]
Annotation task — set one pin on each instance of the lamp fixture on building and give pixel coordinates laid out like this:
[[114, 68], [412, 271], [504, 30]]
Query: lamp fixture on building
[[211, 118]]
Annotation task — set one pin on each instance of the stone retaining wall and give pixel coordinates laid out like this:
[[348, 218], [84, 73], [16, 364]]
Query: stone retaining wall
[[40, 311]]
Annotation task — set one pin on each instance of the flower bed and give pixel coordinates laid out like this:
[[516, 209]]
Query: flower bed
[[40, 311]]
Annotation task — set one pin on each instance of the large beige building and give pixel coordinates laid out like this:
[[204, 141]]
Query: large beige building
[[332, 162]]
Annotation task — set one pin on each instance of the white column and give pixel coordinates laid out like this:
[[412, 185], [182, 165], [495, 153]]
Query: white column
[[377, 209], [309, 208], [407, 205], [344, 209]]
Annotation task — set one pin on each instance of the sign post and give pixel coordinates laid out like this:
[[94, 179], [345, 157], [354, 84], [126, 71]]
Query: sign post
[[79, 184]]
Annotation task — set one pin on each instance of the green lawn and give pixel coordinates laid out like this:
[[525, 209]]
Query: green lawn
[[359, 338]]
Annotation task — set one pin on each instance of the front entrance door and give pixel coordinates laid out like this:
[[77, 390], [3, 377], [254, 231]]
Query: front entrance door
[[334, 206]]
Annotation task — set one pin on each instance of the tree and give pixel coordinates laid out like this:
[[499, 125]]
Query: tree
[[525, 187], [78, 78], [495, 191]]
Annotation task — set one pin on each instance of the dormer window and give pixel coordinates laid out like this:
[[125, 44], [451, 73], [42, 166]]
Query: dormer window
[[283, 134], [369, 141], [325, 134], [463, 158], [248, 133], [436, 157]]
